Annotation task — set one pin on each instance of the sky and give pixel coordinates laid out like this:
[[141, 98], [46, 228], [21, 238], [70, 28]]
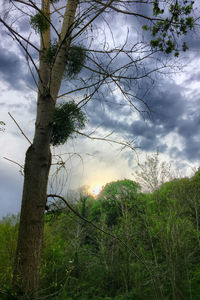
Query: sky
[[171, 126]]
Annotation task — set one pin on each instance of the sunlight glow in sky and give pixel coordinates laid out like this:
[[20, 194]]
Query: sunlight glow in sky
[[95, 190], [171, 127]]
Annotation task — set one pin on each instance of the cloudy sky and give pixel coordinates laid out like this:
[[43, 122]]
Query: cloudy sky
[[171, 125]]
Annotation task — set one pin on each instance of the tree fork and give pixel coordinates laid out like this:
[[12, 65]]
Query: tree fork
[[36, 172], [38, 161]]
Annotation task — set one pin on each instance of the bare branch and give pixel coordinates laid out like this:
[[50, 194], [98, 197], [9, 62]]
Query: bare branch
[[14, 162], [20, 128], [128, 12], [27, 60], [86, 25], [105, 139], [15, 33]]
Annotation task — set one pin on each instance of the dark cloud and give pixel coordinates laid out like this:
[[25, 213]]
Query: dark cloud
[[12, 69], [190, 126], [170, 112], [191, 148], [147, 144]]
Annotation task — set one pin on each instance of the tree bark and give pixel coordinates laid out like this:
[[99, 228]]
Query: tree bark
[[38, 161], [37, 166]]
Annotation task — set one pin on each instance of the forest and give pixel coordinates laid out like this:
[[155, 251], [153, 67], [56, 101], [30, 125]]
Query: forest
[[125, 244]]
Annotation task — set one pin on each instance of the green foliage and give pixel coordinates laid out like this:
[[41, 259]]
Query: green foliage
[[118, 188], [66, 119], [166, 30], [8, 238], [57, 262], [76, 57], [145, 27], [112, 197], [51, 53], [39, 23], [156, 8], [81, 263]]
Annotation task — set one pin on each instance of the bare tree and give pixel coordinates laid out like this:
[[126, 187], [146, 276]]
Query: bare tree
[[153, 172], [68, 42]]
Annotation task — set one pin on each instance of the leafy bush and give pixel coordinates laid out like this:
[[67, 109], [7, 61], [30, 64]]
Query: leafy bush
[[8, 238]]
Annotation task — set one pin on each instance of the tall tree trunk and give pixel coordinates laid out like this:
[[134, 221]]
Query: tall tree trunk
[[37, 165], [36, 172], [38, 160]]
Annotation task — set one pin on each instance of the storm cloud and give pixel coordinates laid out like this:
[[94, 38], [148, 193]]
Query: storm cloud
[[169, 118], [171, 111]]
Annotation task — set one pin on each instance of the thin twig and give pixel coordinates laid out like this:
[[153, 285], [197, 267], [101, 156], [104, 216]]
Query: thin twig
[[15, 33], [20, 128], [124, 144], [14, 162]]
